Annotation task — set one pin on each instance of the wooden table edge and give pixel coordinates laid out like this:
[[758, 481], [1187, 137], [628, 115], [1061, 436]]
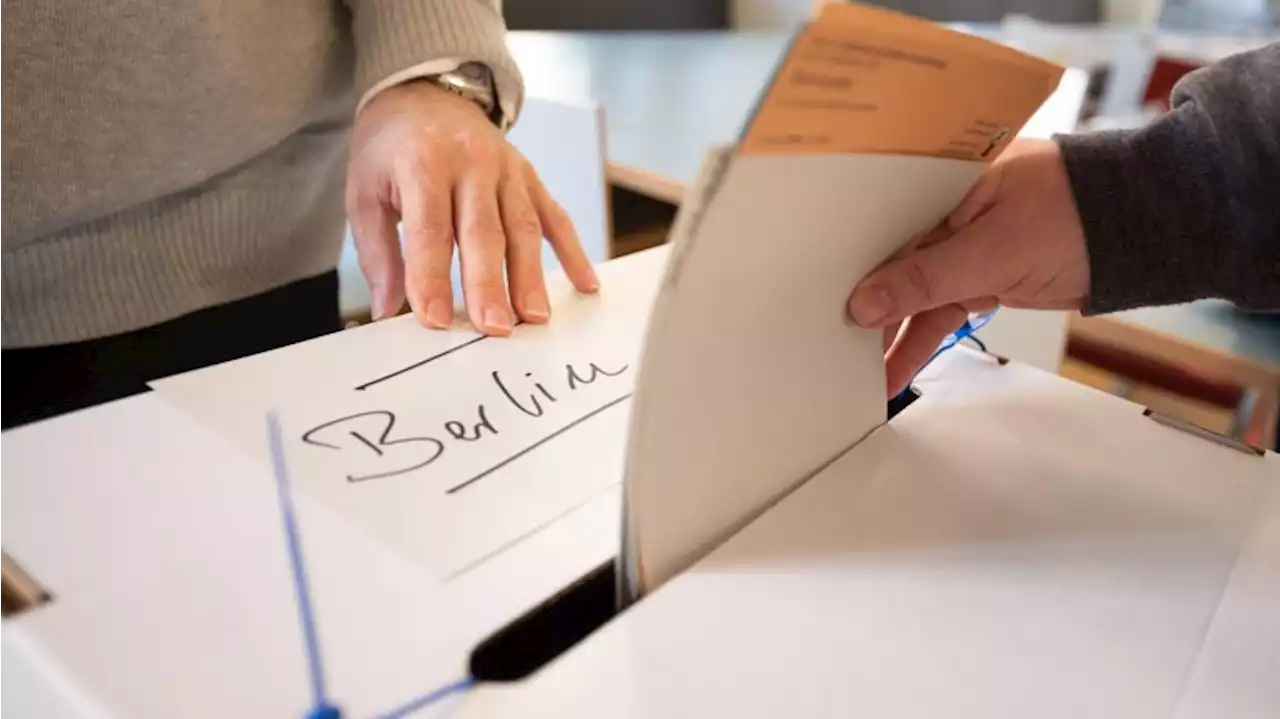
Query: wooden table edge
[[649, 184], [1142, 339]]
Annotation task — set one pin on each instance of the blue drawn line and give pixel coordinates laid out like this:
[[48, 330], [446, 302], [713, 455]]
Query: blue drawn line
[[321, 707], [426, 700], [302, 592]]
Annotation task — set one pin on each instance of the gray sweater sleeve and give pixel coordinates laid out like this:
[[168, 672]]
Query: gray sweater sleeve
[[1189, 206]]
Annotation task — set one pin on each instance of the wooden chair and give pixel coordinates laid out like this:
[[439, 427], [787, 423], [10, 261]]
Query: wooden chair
[[1170, 376], [1138, 361]]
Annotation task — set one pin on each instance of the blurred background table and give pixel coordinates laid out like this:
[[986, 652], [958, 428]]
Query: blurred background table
[[669, 96]]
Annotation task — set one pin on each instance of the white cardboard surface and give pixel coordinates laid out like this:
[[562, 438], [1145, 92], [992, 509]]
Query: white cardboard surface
[[163, 548], [1013, 545]]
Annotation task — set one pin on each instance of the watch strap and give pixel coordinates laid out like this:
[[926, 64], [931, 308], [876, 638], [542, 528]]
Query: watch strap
[[474, 82]]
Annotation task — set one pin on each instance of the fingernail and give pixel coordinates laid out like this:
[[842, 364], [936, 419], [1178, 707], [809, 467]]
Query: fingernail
[[870, 306], [536, 306], [496, 318], [438, 313], [379, 309], [593, 282]]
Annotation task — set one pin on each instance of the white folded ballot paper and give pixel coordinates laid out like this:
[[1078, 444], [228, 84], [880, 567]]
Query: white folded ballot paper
[[874, 127]]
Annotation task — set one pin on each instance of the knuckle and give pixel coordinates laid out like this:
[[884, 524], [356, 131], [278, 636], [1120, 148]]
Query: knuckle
[[525, 225], [428, 227], [418, 162], [525, 276], [488, 281], [523, 167], [921, 278], [556, 214], [427, 271], [491, 286], [480, 148], [485, 233], [359, 201], [422, 157]]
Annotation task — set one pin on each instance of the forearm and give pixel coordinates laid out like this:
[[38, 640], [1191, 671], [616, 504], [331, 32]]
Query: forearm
[[1188, 207]]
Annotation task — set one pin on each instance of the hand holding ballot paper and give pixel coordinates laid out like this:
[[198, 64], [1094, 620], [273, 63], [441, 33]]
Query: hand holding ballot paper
[[1014, 241], [1173, 212], [874, 127]]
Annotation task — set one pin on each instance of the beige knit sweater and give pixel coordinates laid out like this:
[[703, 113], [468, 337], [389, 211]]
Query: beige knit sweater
[[162, 157]]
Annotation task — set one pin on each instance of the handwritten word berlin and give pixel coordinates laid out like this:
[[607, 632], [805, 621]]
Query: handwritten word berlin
[[374, 432]]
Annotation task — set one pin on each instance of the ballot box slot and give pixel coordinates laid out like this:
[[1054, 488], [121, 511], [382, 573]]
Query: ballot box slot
[[551, 628], [19, 591], [901, 401]]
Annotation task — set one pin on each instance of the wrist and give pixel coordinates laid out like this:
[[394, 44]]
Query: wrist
[[473, 82]]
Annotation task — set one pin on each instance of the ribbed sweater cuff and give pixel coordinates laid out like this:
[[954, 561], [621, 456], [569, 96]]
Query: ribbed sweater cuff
[[393, 35]]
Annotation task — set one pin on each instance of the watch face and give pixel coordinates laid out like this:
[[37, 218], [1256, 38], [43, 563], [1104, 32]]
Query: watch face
[[475, 72], [474, 81]]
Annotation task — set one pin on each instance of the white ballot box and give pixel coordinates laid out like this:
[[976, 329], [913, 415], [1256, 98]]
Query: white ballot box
[[1010, 544], [683, 497]]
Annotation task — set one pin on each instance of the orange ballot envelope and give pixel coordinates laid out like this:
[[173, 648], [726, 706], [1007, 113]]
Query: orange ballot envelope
[[862, 80], [873, 128]]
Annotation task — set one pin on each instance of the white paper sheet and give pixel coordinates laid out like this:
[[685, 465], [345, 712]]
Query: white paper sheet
[[752, 378], [447, 445]]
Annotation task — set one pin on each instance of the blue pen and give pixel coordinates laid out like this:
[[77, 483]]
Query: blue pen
[[974, 323]]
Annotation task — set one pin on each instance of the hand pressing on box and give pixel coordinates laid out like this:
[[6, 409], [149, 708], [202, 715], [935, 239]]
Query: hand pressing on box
[[1015, 240], [432, 161]]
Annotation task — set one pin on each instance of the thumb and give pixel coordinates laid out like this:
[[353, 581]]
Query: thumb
[[980, 198], [952, 271]]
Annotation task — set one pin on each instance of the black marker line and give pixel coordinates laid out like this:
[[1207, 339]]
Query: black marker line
[[420, 363], [535, 445], [366, 442]]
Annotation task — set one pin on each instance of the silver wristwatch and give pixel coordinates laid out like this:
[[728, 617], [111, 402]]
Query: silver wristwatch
[[473, 81]]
